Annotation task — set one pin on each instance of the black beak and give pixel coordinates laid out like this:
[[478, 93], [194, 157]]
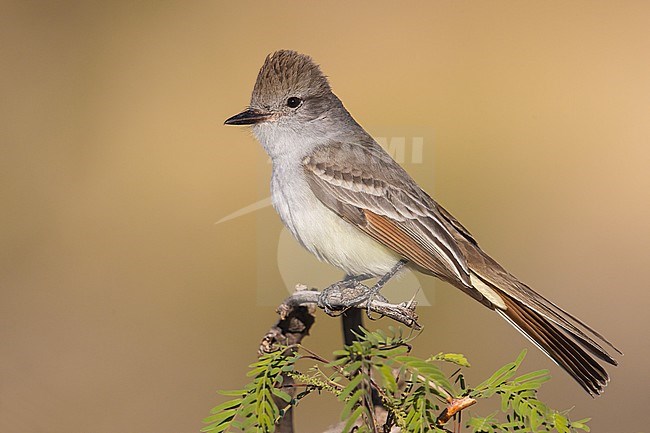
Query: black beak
[[248, 117]]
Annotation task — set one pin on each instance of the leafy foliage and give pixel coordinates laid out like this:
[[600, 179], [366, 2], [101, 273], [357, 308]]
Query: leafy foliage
[[254, 409], [416, 395], [524, 411]]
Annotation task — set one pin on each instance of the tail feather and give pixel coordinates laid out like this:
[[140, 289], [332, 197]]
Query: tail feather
[[566, 321], [492, 274], [565, 351]]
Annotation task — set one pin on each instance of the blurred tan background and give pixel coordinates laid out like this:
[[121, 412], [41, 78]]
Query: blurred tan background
[[123, 307]]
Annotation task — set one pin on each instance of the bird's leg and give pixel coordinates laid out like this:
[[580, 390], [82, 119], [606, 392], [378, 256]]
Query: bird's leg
[[348, 282], [374, 290], [390, 274]]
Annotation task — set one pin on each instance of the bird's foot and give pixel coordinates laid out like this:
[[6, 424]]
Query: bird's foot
[[373, 294], [369, 296], [350, 292], [344, 294], [329, 293]]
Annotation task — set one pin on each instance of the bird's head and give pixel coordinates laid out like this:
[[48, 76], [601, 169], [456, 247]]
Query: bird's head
[[290, 90]]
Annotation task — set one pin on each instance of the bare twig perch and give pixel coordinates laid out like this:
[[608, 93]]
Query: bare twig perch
[[294, 324], [339, 297]]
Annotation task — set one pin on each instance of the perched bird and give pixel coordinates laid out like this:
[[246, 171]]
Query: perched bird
[[350, 204]]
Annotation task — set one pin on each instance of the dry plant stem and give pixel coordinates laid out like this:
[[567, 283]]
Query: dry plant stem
[[455, 405], [293, 326]]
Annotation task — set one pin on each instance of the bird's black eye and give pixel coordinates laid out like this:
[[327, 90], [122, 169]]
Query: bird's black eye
[[293, 102]]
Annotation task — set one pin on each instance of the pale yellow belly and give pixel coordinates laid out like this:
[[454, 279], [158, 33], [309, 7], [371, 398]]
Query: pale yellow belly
[[339, 243], [329, 237]]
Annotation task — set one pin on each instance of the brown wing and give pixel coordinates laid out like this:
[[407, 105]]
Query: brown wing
[[363, 185]]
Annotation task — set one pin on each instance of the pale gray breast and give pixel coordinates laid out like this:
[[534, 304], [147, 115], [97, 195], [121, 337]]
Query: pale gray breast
[[293, 201]]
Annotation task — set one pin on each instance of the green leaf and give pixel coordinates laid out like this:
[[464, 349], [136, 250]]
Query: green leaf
[[217, 418], [227, 405], [264, 421], [454, 358], [405, 359], [256, 371], [248, 400], [561, 423], [429, 372], [518, 407], [338, 362], [505, 401], [236, 392], [352, 367], [352, 419], [536, 420], [392, 352], [353, 401], [214, 428], [349, 389], [524, 387], [388, 379], [288, 368], [281, 394], [534, 376], [520, 358], [502, 374], [482, 424], [581, 424]]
